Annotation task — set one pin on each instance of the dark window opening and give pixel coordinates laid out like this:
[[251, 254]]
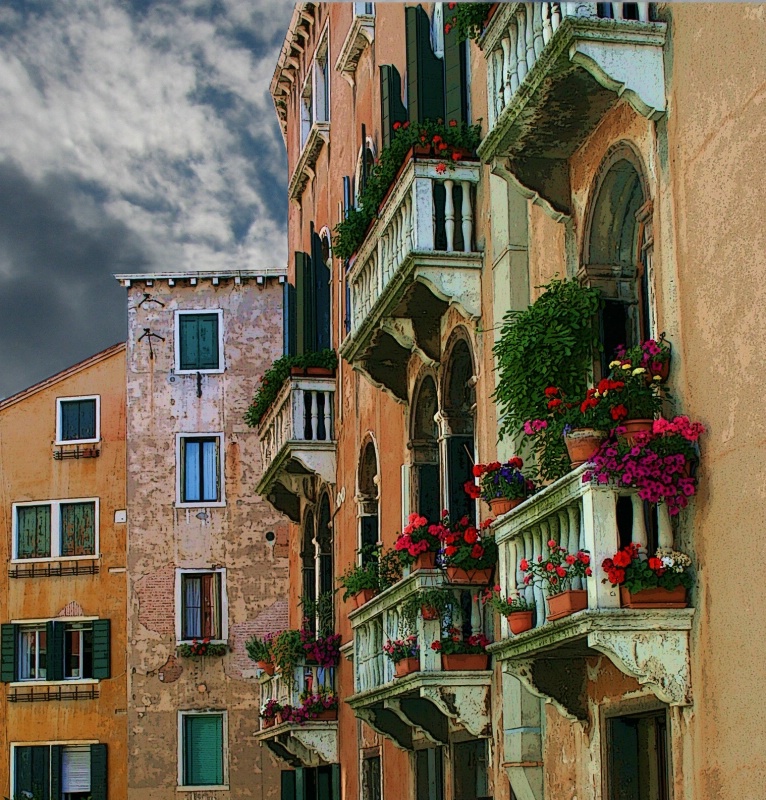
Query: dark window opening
[[470, 770], [638, 757], [78, 420]]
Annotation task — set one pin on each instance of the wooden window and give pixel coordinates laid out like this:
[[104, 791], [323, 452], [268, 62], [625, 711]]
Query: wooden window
[[637, 757], [425, 72], [78, 420], [371, 782], [75, 524], [199, 342], [60, 772], [33, 531], [202, 750], [78, 650], [470, 770], [311, 783], [429, 774], [78, 529], [201, 606], [32, 648], [200, 469]]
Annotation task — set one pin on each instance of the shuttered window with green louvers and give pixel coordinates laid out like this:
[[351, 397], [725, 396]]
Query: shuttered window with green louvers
[[425, 72], [198, 341], [392, 110], [455, 74], [31, 772], [78, 420], [33, 531], [203, 749]]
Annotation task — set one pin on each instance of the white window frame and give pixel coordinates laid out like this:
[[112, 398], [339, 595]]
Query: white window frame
[[179, 603], [82, 629], [360, 10], [180, 503], [310, 111], [177, 341], [37, 628], [225, 726], [55, 530], [59, 401]]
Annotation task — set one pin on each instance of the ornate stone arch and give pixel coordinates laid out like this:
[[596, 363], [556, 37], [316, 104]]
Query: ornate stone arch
[[368, 495], [368, 153], [423, 444]]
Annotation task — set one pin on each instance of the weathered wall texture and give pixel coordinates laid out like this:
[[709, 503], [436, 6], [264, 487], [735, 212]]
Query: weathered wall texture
[[29, 472], [164, 538]]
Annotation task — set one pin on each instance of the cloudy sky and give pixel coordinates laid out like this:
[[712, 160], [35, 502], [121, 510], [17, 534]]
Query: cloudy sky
[[135, 135]]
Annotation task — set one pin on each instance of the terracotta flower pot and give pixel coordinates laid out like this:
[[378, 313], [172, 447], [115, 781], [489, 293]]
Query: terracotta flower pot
[[320, 371], [406, 666], [360, 598], [582, 444], [429, 612], [425, 560], [476, 577], [268, 723], [278, 720], [520, 621], [634, 426], [654, 598], [421, 149], [566, 603], [502, 505], [327, 715], [266, 666], [466, 661]]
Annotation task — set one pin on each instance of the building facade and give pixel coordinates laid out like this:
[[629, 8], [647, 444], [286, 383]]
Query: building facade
[[63, 594], [207, 558], [612, 153]]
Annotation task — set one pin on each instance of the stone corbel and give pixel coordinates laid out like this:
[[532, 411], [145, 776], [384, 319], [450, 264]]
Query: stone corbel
[[419, 714], [564, 690], [467, 705], [313, 746], [385, 722]]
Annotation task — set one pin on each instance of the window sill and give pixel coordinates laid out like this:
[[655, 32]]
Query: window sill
[[58, 443], [218, 371], [199, 639], [68, 682], [215, 788], [219, 504], [54, 559]]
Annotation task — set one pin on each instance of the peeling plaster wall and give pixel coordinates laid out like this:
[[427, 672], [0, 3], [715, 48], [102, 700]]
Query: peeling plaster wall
[[164, 538]]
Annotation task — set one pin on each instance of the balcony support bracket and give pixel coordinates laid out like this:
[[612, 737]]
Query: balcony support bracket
[[421, 715], [561, 683], [281, 752], [387, 723], [467, 704]]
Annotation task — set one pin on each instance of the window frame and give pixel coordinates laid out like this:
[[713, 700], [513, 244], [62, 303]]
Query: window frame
[[181, 469], [59, 400], [79, 743], [180, 573], [83, 628], [37, 628], [55, 532], [308, 99], [182, 714], [177, 341]]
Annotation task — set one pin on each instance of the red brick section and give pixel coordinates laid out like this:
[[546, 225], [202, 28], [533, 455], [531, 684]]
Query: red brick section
[[272, 620], [156, 600], [171, 670], [72, 609]]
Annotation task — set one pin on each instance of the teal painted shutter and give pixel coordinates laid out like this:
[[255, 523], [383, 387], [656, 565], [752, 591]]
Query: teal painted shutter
[[98, 772], [55, 772], [8, 657], [70, 420], [288, 785], [455, 74], [203, 750], [324, 782], [55, 651], [102, 660], [199, 341], [391, 107], [335, 773], [321, 294], [289, 331], [187, 330], [33, 531], [425, 72], [300, 785], [31, 772], [304, 301], [78, 529]]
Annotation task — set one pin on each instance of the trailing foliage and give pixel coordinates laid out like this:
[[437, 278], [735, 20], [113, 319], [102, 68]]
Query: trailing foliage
[[287, 650], [440, 600], [320, 612], [446, 141], [468, 21], [259, 649], [275, 376], [550, 344], [381, 570]]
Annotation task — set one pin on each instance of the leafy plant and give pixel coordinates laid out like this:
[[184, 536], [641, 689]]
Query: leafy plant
[[500, 480], [440, 600], [260, 649], [558, 570], [381, 569], [468, 20], [550, 344], [631, 568], [506, 605], [287, 649], [453, 643], [201, 647], [275, 376], [319, 614], [399, 649], [389, 568], [417, 537], [466, 546]]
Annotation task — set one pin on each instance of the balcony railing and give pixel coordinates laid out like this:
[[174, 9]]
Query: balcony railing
[[461, 696], [313, 743], [297, 439], [652, 645], [424, 235]]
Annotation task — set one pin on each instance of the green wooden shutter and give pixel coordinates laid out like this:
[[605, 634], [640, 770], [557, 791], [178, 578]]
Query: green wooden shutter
[[287, 785], [33, 531], [31, 772], [199, 341], [203, 750], [391, 107], [335, 774], [187, 331], [305, 304], [55, 772], [425, 72], [324, 782], [102, 660], [8, 657], [55, 651], [300, 785], [78, 529], [98, 772], [455, 73], [289, 331], [322, 297]]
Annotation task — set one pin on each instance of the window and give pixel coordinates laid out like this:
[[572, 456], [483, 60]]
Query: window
[[78, 650], [200, 470], [75, 523], [371, 781], [202, 610], [33, 649], [470, 770], [77, 420], [199, 341], [202, 738], [60, 772], [311, 783], [638, 757], [315, 97], [364, 9], [429, 774]]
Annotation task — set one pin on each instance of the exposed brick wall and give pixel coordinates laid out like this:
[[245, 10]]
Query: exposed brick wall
[[72, 609], [156, 600], [273, 620]]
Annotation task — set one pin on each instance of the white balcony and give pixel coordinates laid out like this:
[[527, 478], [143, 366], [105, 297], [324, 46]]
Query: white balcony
[[427, 704], [553, 71], [312, 744], [297, 442], [651, 645], [417, 260]]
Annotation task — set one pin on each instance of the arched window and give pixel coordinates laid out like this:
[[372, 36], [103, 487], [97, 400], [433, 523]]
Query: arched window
[[424, 444], [325, 568], [308, 563], [364, 163], [367, 500], [458, 410]]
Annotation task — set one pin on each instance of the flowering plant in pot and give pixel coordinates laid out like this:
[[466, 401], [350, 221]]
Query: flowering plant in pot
[[556, 574], [502, 486], [470, 553], [430, 603], [320, 705], [321, 650], [659, 581], [202, 647], [459, 652], [260, 651], [653, 355], [378, 570], [269, 711], [518, 610], [404, 653], [658, 463], [418, 543]]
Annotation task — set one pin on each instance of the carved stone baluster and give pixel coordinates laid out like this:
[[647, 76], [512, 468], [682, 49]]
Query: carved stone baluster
[[298, 415], [643, 12], [539, 548], [521, 38], [313, 415], [555, 16], [449, 215], [537, 26], [664, 526], [466, 212], [529, 36], [328, 398], [639, 523], [491, 110], [475, 611], [513, 71], [505, 44], [617, 11]]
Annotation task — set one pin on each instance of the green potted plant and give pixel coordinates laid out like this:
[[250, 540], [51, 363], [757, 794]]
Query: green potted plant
[[260, 651], [405, 654], [518, 610], [556, 574], [418, 543], [462, 653], [430, 603], [501, 486], [361, 581], [202, 647], [287, 650], [470, 553]]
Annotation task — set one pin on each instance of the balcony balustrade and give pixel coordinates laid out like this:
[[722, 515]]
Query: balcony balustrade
[[553, 71], [313, 743], [418, 258], [297, 441], [652, 645], [431, 702]]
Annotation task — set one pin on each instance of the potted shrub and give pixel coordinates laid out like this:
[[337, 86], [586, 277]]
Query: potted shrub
[[323, 651], [518, 611], [432, 604], [470, 553], [269, 711], [202, 647], [502, 486], [361, 582], [659, 581], [315, 706], [556, 574], [405, 653], [418, 543], [287, 650], [460, 653], [259, 651]]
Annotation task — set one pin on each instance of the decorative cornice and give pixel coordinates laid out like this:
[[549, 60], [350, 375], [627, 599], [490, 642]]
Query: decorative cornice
[[304, 169], [360, 34]]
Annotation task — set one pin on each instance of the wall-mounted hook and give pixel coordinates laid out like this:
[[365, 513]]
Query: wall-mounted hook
[[147, 334]]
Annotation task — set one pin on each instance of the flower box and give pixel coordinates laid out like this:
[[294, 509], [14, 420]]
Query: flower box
[[566, 603], [425, 560], [465, 661], [406, 666], [520, 621], [326, 716], [360, 598], [475, 577], [654, 598], [268, 723]]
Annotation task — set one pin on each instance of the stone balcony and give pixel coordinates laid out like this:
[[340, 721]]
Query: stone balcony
[[651, 645], [417, 259], [428, 705], [297, 442], [553, 71], [313, 744]]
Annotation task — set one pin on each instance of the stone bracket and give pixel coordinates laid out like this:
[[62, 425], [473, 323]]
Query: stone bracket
[[421, 715], [566, 695], [312, 745], [468, 705], [359, 36], [388, 724]]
